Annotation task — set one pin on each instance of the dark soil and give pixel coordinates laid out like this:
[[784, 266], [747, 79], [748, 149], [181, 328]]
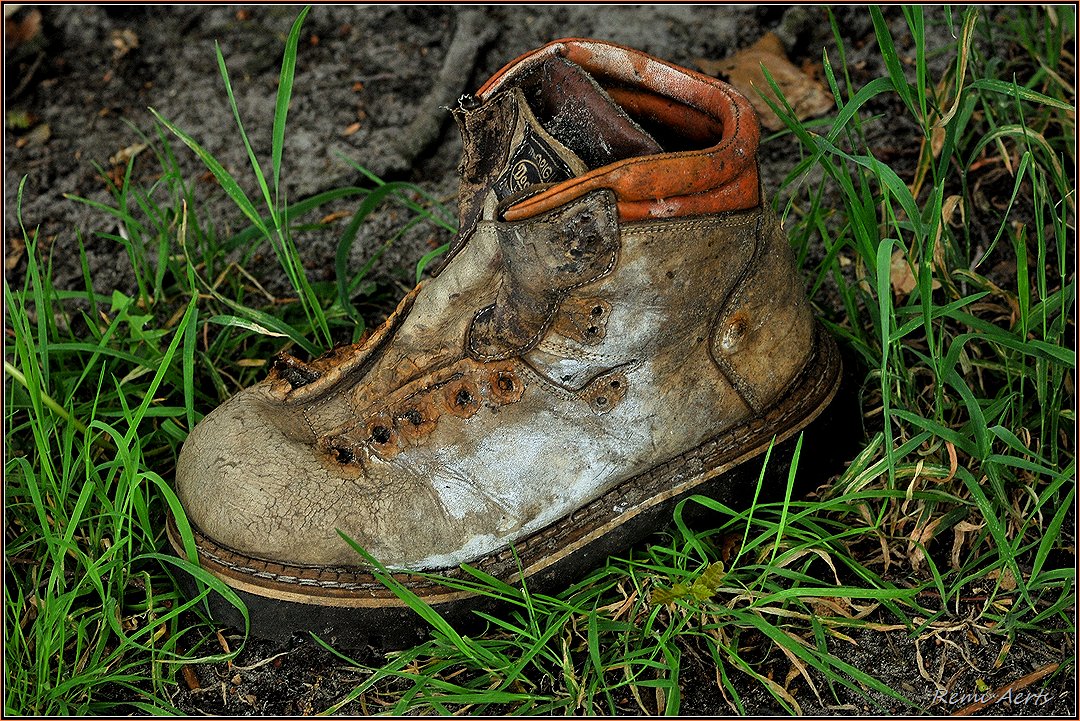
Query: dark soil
[[85, 79]]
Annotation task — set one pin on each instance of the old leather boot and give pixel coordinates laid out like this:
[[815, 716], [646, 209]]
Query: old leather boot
[[618, 324]]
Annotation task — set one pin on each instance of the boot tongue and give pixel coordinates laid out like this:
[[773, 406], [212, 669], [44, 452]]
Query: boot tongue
[[570, 124], [553, 124], [536, 158]]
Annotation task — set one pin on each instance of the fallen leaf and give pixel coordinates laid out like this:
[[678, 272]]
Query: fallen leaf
[[900, 275], [190, 678], [350, 129], [15, 251], [807, 97], [20, 30], [903, 277], [39, 135], [123, 156], [1008, 581], [115, 175], [123, 42]]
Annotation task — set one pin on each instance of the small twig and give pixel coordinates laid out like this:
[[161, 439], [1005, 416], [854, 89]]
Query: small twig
[[1002, 691], [28, 76], [472, 33]]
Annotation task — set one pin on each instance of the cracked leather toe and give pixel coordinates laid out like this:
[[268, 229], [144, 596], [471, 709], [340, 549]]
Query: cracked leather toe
[[265, 491]]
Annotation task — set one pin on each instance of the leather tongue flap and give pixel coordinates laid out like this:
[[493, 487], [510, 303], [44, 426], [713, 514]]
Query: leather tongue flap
[[506, 153], [536, 158]]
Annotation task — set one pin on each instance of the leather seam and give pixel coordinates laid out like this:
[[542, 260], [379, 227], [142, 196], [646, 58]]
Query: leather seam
[[742, 387], [546, 326]]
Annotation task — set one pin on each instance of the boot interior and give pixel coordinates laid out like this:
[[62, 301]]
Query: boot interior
[[604, 121]]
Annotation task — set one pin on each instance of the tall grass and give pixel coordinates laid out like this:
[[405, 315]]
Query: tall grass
[[102, 392], [966, 474]]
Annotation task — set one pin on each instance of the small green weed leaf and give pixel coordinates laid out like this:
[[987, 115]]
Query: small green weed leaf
[[702, 591], [119, 302], [712, 576], [663, 597]]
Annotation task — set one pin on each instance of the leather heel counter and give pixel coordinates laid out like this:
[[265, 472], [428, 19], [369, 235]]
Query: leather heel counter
[[763, 335]]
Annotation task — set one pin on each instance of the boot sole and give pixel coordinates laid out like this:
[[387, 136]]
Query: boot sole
[[350, 604]]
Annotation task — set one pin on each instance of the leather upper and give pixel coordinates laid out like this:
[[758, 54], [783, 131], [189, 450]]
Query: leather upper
[[560, 350]]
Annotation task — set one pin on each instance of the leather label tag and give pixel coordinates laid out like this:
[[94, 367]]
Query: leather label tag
[[533, 161]]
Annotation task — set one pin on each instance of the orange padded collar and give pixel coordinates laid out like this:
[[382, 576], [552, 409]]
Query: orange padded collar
[[717, 178]]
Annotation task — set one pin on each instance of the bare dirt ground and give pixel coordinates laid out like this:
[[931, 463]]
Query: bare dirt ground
[[364, 75]]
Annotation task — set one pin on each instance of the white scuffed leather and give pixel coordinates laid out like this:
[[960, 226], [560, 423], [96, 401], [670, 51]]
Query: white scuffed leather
[[471, 486]]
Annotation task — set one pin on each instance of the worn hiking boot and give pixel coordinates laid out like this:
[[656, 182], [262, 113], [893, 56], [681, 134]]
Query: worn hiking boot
[[618, 325]]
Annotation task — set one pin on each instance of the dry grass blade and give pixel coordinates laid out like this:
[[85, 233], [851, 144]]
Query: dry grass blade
[[1008, 689]]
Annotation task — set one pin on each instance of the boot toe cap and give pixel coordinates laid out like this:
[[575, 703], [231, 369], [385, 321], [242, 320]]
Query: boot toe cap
[[257, 489]]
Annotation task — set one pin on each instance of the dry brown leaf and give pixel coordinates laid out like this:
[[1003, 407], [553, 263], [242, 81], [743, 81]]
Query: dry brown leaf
[[903, 277], [900, 274], [948, 209], [807, 97], [1008, 581], [38, 135], [123, 42], [937, 140], [18, 31], [920, 538], [123, 156], [16, 248], [960, 533], [190, 678]]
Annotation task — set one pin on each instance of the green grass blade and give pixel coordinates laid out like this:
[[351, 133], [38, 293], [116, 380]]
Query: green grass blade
[[255, 166], [284, 97], [224, 178]]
